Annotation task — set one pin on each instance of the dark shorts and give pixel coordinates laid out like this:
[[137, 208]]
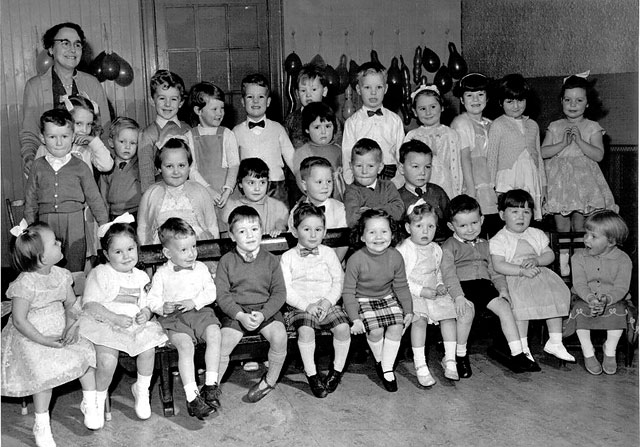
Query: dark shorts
[[228, 322], [479, 291], [380, 313], [335, 316], [194, 323]]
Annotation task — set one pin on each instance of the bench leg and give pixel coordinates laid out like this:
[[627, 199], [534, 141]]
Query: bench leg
[[24, 410], [166, 384], [107, 408]]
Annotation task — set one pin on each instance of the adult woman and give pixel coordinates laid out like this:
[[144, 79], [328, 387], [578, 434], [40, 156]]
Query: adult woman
[[64, 42]]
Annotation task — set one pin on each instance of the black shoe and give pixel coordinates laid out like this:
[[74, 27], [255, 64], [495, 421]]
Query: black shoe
[[255, 393], [211, 395], [463, 366], [317, 386], [332, 380], [379, 371], [199, 408], [520, 363], [390, 385]]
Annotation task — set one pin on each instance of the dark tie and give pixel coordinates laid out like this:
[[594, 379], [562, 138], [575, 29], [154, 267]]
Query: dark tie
[[258, 124], [177, 268], [249, 257], [122, 165], [419, 191], [304, 252], [377, 112]]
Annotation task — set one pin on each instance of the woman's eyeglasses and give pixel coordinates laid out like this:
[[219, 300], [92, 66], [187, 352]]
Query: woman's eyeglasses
[[66, 44]]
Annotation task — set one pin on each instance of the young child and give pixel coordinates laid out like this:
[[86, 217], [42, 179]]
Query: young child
[[376, 295], [261, 137], [120, 188], [181, 292], [601, 279], [473, 129], [373, 121], [215, 149], [448, 167], [253, 183], [367, 190], [415, 166], [167, 93], [251, 291], [431, 300], [521, 253], [116, 317], [513, 154], [176, 196], [60, 186], [472, 281], [40, 344], [313, 278]]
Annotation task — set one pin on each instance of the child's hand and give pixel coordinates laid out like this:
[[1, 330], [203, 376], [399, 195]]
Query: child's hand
[[215, 195], [53, 342], [143, 316], [185, 305], [407, 321], [222, 201], [315, 309], [567, 137], [441, 290], [529, 263], [428, 293], [257, 317], [461, 304], [575, 135], [530, 272], [83, 140], [275, 233], [325, 305], [246, 321], [122, 321], [70, 335], [169, 307], [357, 327]]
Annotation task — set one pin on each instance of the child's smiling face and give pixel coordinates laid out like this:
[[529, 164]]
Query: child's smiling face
[[254, 188], [597, 243], [514, 108], [319, 184], [247, 234], [174, 167], [377, 234], [474, 102], [574, 103], [122, 253], [428, 110], [181, 250], [310, 232], [256, 101], [211, 114], [467, 225], [167, 101], [83, 121]]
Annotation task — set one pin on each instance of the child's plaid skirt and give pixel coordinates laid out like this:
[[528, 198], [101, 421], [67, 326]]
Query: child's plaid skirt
[[335, 316], [380, 313]]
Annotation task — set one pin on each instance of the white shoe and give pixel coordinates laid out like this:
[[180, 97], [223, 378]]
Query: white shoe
[[43, 435], [559, 351], [450, 369], [141, 398], [424, 376], [93, 419], [565, 269], [251, 366]]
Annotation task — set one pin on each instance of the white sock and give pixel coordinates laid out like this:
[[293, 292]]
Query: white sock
[[191, 391], [210, 377], [389, 354], [418, 356], [42, 418], [143, 382], [584, 335], [376, 348], [101, 396], [609, 346], [515, 347], [555, 338], [89, 397], [307, 352], [451, 350], [524, 341], [461, 350], [340, 353]]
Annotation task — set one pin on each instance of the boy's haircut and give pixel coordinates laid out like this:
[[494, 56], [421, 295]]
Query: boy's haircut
[[372, 68], [365, 145], [371, 213], [174, 228], [27, 249], [172, 143], [309, 72], [243, 212], [305, 210], [121, 123], [200, 93], [253, 167], [417, 146], [515, 198], [472, 82], [257, 79], [418, 211], [610, 224], [113, 231], [166, 79], [513, 86], [51, 33], [311, 162], [462, 204], [317, 110], [57, 117]]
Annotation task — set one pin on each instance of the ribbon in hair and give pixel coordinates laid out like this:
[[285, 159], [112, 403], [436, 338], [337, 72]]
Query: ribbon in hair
[[412, 207], [69, 105], [124, 218], [422, 88], [19, 229], [160, 143], [583, 75]]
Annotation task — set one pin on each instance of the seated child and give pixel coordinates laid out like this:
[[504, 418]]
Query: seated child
[[601, 278], [367, 190], [521, 253], [313, 277], [181, 292], [116, 317], [376, 294], [253, 183], [120, 187], [415, 165], [431, 301], [468, 273], [251, 292], [176, 196]]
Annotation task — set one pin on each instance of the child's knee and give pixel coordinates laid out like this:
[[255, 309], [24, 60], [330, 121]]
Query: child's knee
[[342, 332], [212, 334], [306, 334], [375, 334], [394, 332]]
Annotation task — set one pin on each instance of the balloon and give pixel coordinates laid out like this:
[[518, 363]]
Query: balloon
[[353, 73], [393, 98], [331, 77], [417, 65], [457, 65], [110, 67], [343, 74], [443, 80], [43, 62], [374, 57], [96, 67], [319, 61], [430, 60], [394, 75], [125, 75], [348, 109], [292, 64]]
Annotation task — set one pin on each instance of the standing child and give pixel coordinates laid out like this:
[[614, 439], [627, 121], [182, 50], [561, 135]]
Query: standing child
[[313, 277], [373, 121], [60, 186], [431, 300], [376, 294], [181, 292], [176, 196], [40, 344], [513, 155], [116, 316], [261, 137], [120, 188], [167, 94], [521, 253], [601, 278], [448, 166], [251, 292]]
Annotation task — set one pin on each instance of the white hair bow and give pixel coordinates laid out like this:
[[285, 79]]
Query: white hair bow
[[412, 207], [124, 218], [583, 75], [422, 88], [160, 143], [69, 106], [19, 229]]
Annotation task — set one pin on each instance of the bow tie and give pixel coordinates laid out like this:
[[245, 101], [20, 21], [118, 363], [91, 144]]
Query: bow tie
[[254, 124], [177, 268], [304, 252], [378, 112], [473, 242]]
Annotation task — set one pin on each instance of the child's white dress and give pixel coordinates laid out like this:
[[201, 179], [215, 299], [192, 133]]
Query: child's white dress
[[121, 293], [541, 297], [29, 367]]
